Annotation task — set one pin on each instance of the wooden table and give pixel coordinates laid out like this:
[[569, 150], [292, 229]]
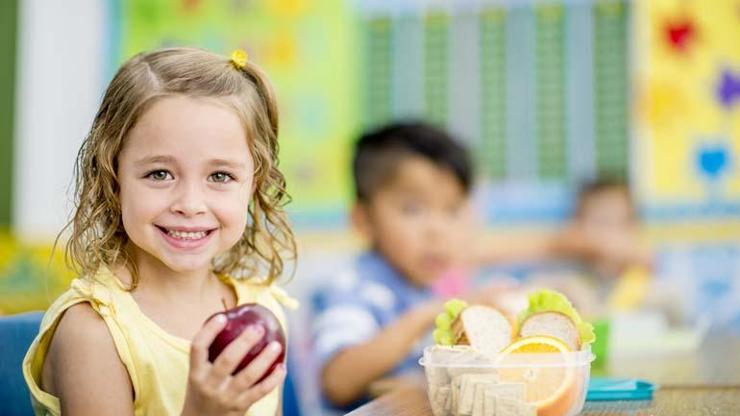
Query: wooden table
[[704, 382]]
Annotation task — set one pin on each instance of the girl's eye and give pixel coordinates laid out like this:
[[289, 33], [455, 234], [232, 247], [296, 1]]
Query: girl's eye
[[159, 175], [221, 177]]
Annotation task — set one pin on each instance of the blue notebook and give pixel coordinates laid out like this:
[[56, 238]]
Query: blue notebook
[[602, 389]]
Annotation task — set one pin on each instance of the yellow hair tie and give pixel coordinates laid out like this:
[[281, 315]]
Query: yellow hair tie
[[239, 58]]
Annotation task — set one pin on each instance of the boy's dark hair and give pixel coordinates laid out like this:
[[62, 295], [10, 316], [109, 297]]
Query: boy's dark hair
[[378, 154], [599, 185]]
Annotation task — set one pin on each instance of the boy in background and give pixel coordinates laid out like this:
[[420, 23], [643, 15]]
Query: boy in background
[[412, 184]]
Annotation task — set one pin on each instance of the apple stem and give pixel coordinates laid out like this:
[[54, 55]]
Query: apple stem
[[223, 301]]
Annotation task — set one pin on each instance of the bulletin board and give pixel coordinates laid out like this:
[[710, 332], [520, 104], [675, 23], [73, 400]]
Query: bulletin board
[[687, 107]]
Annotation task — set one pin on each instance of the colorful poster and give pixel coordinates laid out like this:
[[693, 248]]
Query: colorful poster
[[687, 105]]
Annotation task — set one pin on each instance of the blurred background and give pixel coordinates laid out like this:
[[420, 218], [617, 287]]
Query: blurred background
[[547, 94]]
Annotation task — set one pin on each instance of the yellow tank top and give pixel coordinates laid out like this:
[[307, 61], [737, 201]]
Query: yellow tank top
[[156, 361]]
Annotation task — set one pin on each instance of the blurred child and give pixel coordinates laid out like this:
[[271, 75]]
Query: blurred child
[[604, 237], [412, 185], [178, 200], [606, 218], [603, 234]]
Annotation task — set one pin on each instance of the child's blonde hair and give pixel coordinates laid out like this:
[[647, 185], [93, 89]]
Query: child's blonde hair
[[98, 237]]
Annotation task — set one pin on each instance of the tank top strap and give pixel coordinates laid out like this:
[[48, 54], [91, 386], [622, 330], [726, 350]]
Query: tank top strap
[[283, 297], [259, 292]]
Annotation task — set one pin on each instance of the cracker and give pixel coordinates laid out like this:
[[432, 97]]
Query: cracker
[[489, 402], [513, 391], [508, 407]]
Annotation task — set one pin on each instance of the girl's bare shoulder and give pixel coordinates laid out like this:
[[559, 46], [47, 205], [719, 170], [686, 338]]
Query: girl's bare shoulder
[[83, 363]]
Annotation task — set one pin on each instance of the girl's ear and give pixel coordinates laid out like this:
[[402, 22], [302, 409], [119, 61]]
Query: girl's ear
[[360, 219]]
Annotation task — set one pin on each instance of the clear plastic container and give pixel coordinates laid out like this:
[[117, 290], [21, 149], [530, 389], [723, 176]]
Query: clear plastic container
[[462, 381]]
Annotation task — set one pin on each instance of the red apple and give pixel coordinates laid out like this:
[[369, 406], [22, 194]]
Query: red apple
[[237, 320]]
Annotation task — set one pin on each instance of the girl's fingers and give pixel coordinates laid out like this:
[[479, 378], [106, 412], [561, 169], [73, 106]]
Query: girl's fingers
[[203, 339], [257, 368], [232, 355], [262, 388]]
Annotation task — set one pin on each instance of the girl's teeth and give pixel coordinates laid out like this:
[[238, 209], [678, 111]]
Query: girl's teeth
[[183, 235]]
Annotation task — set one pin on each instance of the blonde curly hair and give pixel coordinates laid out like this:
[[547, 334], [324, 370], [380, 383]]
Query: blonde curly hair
[[97, 234]]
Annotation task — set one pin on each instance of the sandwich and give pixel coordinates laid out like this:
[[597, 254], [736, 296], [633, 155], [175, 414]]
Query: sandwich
[[550, 313], [483, 328]]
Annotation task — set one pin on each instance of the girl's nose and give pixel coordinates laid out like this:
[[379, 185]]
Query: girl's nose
[[190, 200]]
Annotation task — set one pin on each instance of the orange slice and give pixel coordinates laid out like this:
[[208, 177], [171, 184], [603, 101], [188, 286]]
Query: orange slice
[[542, 364]]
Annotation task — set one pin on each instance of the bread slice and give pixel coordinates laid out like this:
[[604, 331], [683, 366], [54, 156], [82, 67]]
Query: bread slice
[[483, 328], [553, 324]]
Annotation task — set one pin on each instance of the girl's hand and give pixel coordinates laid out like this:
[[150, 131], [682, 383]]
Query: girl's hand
[[212, 390]]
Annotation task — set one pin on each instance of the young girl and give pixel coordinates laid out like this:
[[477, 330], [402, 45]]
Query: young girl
[[178, 205]]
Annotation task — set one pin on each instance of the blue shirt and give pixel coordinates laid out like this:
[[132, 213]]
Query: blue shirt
[[353, 306]]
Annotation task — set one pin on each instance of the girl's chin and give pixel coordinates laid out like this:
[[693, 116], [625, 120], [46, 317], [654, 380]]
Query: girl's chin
[[186, 268], [187, 265]]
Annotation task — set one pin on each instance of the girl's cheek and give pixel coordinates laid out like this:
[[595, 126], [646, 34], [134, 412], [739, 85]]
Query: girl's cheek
[[234, 211]]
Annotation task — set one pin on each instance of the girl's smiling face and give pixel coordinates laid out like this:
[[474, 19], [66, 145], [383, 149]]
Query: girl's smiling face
[[186, 176]]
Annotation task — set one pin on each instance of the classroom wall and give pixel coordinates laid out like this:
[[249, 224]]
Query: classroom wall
[[539, 122], [60, 71], [8, 34], [339, 66]]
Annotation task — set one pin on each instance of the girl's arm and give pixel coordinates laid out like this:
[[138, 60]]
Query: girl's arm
[[83, 369]]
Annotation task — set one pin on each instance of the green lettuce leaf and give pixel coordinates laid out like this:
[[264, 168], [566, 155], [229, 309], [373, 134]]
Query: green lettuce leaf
[[443, 334]]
